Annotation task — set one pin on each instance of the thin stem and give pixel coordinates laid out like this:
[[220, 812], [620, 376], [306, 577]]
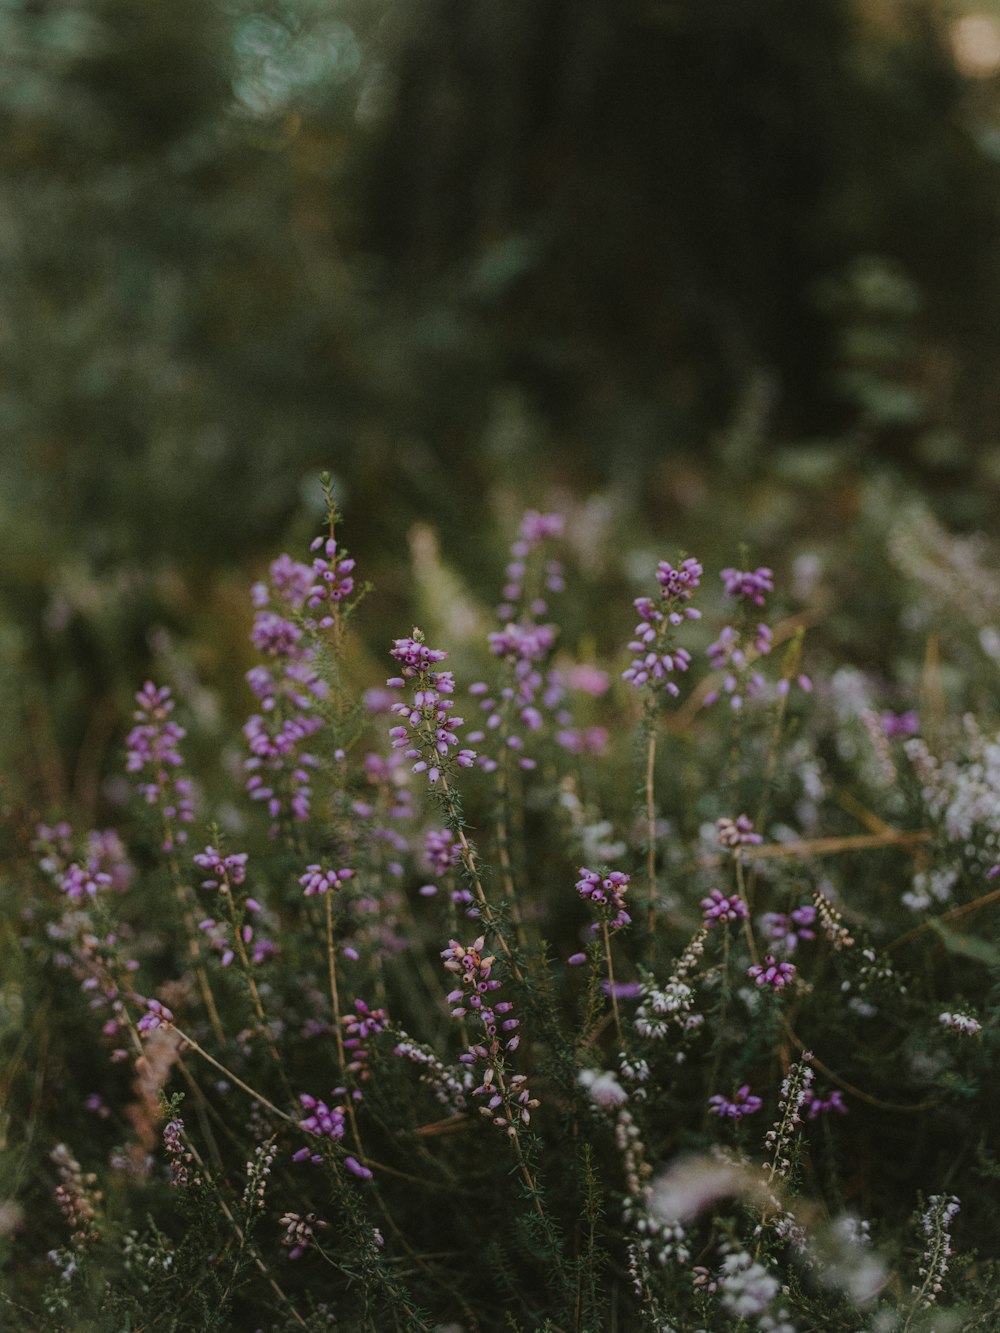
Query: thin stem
[[233, 1078], [611, 985], [650, 835], [472, 870]]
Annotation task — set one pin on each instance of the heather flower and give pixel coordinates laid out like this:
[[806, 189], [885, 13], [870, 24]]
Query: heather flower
[[751, 585], [586, 741], [737, 833], [718, 908], [179, 1158], [300, 1232], [771, 973], [428, 733], [442, 850], [608, 893], [156, 1015], [323, 1122], [655, 658], [508, 1101], [152, 752], [784, 930], [817, 1106], [603, 1087], [332, 580], [796, 1092], [729, 655], [744, 1103], [961, 1022], [936, 1224], [745, 1287], [82, 882], [536, 528], [226, 872], [358, 1027], [317, 880], [899, 725]]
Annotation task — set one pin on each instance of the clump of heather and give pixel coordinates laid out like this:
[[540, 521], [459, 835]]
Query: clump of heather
[[517, 990]]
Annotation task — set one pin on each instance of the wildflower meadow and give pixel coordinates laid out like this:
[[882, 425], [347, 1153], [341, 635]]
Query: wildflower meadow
[[512, 974]]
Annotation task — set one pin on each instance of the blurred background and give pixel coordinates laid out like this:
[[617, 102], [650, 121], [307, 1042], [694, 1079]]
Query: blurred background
[[699, 272]]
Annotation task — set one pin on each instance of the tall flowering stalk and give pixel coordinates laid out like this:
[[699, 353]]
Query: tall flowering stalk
[[656, 660], [607, 894], [428, 736], [527, 689], [153, 754]]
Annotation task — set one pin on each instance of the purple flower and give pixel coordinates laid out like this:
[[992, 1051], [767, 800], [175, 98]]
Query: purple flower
[[323, 1121], [332, 580], [358, 1027], [784, 930], [442, 850], [156, 1015], [744, 1103], [228, 871], [679, 584], [79, 882], [737, 833], [152, 752], [655, 658], [718, 908], [817, 1106], [607, 892], [751, 584], [427, 731], [772, 973], [536, 528], [317, 880], [727, 654], [900, 724]]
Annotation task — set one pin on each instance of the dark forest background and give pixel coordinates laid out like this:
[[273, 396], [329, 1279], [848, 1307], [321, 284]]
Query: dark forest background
[[712, 265]]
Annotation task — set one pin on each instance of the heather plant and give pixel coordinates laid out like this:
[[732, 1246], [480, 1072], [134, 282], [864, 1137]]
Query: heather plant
[[534, 991]]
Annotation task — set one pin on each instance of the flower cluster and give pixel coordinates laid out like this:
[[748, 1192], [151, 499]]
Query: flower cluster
[[358, 1027], [959, 1022], [427, 733], [508, 1100], [751, 585], [156, 1015], [225, 872], [332, 581], [718, 908], [655, 659], [744, 1102], [731, 655], [672, 1005], [323, 1121], [228, 939], [608, 893], [316, 880], [152, 752], [817, 1106], [936, 1224], [796, 1092], [535, 529], [516, 705], [737, 833], [658, 1238], [771, 973], [288, 689], [300, 1232], [179, 1158], [784, 930]]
